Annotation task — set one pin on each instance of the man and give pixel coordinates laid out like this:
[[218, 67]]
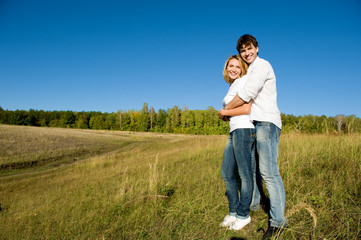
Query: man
[[260, 87]]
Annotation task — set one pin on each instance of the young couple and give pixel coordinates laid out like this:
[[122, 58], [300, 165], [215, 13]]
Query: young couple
[[250, 106]]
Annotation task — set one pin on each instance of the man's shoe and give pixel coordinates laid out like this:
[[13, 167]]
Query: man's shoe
[[228, 221], [240, 223], [272, 232]]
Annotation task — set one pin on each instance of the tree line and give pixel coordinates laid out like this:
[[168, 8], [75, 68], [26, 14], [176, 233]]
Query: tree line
[[173, 120]]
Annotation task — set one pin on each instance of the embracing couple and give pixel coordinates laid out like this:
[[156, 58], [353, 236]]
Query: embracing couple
[[251, 108]]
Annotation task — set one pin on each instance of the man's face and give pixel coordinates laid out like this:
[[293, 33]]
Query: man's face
[[249, 53]]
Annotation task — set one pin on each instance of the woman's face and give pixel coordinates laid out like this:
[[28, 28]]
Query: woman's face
[[234, 69]]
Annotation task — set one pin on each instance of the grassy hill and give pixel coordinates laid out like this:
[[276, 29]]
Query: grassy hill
[[87, 184]]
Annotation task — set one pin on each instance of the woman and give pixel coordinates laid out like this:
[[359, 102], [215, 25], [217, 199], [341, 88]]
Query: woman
[[239, 149]]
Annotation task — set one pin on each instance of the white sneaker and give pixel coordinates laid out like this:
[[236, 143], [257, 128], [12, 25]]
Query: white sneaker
[[240, 223], [228, 221]]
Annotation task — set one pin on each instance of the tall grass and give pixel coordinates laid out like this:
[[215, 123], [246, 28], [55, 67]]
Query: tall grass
[[163, 186], [323, 173]]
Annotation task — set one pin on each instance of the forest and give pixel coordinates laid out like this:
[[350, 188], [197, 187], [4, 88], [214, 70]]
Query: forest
[[172, 120]]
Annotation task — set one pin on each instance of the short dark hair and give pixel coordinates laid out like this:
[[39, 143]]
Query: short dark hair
[[246, 40]]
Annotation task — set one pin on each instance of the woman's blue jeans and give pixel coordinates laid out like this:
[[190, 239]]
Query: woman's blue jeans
[[267, 139], [238, 156]]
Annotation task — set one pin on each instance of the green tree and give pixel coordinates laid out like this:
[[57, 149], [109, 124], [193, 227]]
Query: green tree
[[67, 119], [211, 121], [5, 116], [174, 119], [81, 120], [125, 121], [133, 120], [18, 117], [110, 121], [97, 122], [143, 123], [32, 118], [187, 120], [161, 119], [43, 118], [199, 122]]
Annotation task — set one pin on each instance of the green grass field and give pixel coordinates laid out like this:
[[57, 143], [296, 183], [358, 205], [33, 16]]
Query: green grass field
[[87, 184]]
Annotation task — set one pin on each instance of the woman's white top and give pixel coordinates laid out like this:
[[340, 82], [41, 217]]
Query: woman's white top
[[241, 121]]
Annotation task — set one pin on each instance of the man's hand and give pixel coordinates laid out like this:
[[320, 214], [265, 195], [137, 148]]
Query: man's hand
[[222, 116]]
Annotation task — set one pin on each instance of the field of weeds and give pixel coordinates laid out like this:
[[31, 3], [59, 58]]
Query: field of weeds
[[121, 185]]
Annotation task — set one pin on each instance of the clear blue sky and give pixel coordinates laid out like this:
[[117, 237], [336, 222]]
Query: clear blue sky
[[116, 55]]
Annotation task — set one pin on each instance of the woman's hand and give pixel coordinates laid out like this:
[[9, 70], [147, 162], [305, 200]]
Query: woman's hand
[[222, 115]]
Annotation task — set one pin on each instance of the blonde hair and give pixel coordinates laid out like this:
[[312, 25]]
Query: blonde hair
[[243, 65]]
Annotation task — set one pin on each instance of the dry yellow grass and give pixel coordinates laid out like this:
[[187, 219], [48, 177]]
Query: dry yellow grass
[[24, 149]]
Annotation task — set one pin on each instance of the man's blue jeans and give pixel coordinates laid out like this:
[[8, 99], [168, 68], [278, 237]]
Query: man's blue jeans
[[238, 156], [267, 139]]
